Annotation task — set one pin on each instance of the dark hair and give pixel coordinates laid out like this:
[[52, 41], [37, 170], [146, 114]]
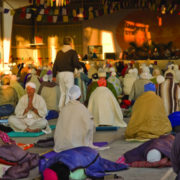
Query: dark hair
[[67, 40]]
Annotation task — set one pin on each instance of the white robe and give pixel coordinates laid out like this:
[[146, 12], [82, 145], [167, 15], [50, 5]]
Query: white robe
[[74, 127], [128, 81], [31, 120], [105, 108], [51, 96]]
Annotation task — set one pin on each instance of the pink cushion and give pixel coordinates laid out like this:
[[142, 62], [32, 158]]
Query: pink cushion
[[49, 174]]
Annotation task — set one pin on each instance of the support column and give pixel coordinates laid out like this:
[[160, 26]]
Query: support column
[[7, 31], [1, 36], [6, 23]]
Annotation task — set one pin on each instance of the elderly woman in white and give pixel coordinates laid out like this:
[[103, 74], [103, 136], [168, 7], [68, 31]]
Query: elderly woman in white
[[30, 112], [75, 124]]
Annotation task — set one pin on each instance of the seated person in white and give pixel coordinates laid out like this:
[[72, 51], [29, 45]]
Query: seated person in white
[[50, 93], [30, 112], [105, 108], [75, 124]]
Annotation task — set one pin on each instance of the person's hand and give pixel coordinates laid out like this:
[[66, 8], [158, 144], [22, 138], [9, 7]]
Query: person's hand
[[30, 101], [26, 110], [35, 111], [30, 106]]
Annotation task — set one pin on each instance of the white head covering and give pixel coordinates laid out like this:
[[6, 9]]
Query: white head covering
[[160, 79], [45, 78], [101, 72], [135, 71], [144, 75], [170, 71], [33, 71], [146, 69], [31, 84], [153, 155], [171, 66], [74, 92], [130, 71], [151, 66], [112, 69]]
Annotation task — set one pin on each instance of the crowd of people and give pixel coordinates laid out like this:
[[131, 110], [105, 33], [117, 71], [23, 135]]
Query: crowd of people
[[82, 99]]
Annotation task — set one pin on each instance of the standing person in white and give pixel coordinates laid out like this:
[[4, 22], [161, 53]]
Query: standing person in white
[[65, 63]]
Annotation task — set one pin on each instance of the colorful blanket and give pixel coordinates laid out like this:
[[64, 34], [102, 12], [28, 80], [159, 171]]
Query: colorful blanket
[[28, 134]]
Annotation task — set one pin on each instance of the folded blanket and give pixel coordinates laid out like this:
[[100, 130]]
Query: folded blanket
[[165, 162]]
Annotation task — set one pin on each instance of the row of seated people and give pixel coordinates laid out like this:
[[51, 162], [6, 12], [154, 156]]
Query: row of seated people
[[113, 116]]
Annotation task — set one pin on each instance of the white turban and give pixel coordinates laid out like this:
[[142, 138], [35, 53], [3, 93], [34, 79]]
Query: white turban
[[31, 84], [171, 66], [146, 69], [130, 71], [135, 71], [33, 71], [113, 73], [112, 69], [144, 75], [74, 92], [160, 79], [151, 66], [153, 155], [101, 74], [45, 78]]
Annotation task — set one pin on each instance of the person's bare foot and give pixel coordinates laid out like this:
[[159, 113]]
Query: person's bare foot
[[32, 130]]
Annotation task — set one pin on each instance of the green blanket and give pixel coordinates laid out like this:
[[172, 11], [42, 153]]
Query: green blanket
[[28, 134]]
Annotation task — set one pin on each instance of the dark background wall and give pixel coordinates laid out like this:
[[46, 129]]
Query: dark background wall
[[83, 35]]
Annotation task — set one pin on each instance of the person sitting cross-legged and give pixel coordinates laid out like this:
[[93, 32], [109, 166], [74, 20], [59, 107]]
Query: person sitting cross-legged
[[30, 112], [8, 98]]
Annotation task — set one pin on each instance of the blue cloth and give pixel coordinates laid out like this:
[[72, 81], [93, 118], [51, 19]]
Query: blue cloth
[[149, 87], [52, 114], [107, 128], [174, 118], [81, 157], [6, 110]]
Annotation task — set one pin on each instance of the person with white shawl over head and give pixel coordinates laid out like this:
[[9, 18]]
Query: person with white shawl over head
[[105, 108], [75, 125]]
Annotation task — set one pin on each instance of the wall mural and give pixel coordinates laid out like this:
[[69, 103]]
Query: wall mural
[[141, 26]]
